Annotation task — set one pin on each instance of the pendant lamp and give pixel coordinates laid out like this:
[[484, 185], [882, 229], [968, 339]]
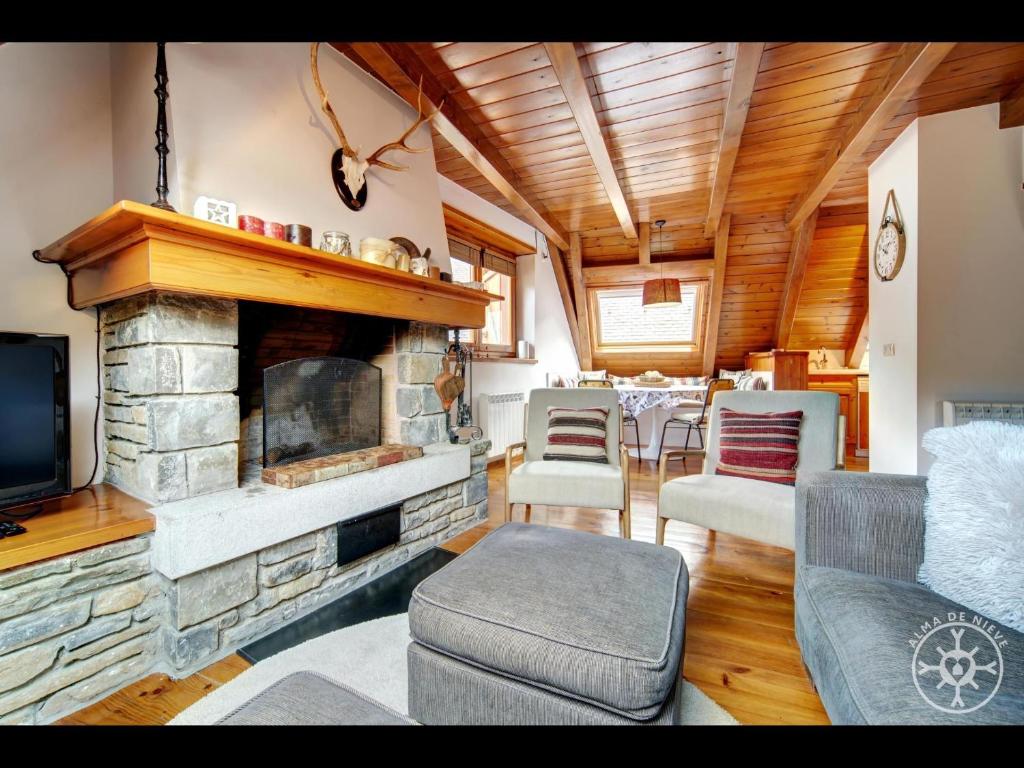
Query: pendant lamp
[[662, 292]]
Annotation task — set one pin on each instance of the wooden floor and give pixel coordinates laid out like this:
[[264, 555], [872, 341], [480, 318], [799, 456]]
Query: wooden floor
[[740, 646]]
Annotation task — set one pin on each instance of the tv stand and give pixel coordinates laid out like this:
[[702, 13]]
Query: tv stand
[[97, 515], [33, 510]]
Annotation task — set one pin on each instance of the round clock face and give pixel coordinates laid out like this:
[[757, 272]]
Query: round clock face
[[889, 248]]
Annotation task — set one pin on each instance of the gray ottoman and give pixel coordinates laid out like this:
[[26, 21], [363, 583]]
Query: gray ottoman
[[539, 625], [306, 698]]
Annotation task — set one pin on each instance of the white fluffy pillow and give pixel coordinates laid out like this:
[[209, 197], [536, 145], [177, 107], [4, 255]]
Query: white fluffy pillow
[[974, 519]]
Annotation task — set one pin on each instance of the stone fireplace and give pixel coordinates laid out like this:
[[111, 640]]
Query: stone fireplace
[[191, 314], [183, 384], [234, 558]]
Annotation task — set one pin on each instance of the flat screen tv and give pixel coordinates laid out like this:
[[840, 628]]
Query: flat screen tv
[[35, 421]]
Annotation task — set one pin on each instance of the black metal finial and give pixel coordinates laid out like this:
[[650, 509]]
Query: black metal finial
[[161, 130]]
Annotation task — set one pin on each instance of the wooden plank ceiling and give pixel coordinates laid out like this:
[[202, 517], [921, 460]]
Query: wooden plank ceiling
[[662, 108]]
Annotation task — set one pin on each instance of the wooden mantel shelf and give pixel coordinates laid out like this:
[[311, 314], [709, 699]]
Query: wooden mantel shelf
[[133, 248]]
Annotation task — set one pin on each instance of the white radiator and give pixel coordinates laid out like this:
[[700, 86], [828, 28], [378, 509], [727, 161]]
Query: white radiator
[[501, 418], [955, 412]]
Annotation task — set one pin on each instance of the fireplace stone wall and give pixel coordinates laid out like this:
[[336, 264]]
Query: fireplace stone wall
[[74, 629], [170, 370], [171, 375]]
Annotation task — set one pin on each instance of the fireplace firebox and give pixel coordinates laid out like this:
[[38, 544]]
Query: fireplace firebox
[[319, 406]]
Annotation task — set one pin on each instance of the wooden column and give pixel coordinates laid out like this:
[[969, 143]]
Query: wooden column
[[645, 242], [579, 290], [717, 289]]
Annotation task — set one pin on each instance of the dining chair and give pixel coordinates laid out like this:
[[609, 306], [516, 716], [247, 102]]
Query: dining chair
[[628, 419], [698, 420]]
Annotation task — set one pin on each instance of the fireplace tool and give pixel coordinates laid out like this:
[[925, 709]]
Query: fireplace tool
[[465, 430]]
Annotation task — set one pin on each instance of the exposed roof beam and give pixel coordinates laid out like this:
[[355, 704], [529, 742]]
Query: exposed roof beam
[[574, 85], [562, 280], [645, 242], [579, 291], [909, 69], [717, 289], [1011, 109], [633, 274], [744, 73], [859, 343], [401, 69], [798, 253]]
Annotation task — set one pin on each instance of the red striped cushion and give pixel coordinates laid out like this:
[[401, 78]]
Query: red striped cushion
[[577, 434], [759, 446]]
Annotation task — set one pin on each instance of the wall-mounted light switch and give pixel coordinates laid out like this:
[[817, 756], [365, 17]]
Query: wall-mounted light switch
[[889, 350]]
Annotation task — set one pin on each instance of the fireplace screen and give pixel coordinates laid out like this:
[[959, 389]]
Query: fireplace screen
[[318, 406]]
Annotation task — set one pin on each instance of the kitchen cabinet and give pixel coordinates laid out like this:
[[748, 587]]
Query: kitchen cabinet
[[847, 386]]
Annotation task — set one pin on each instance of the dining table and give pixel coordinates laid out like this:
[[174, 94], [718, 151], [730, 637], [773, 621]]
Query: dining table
[[636, 397]]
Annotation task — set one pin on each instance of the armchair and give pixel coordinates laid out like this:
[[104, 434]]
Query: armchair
[[757, 510], [569, 483]]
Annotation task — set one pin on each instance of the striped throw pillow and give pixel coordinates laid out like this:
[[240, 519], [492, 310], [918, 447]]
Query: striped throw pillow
[[577, 434], [759, 446]]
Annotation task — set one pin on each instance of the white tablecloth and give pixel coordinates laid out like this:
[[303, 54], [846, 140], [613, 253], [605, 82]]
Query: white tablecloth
[[636, 399]]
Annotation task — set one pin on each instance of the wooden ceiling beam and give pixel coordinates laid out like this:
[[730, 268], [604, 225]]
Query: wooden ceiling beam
[[717, 290], [562, 280], [909, 69], [859, 343], [1011, 108], [645, 242], [570, 76], [744, 73], [579, 291], [634, 274], [398, 67], [799, 250]]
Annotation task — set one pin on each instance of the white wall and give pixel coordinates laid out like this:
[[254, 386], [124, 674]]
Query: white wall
[[55, 156], [971, 283], [955, 311], [892, 408], [541, 320], [247, 127]]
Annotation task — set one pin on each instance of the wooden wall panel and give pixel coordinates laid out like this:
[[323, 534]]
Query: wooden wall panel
[[754, 281], [835, 285]]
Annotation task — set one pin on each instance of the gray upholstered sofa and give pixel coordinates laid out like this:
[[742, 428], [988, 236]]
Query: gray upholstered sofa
[[863, 621]]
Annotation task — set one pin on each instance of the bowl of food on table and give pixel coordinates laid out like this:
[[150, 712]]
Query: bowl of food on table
[[652, 379]]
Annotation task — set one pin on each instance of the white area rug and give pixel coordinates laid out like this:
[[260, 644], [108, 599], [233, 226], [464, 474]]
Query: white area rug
[[370, 658]]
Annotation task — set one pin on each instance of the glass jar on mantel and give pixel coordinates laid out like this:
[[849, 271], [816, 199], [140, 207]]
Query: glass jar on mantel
[[337, 243]]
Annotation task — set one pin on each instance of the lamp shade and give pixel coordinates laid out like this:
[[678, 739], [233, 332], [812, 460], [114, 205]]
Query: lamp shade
[[662, 292]]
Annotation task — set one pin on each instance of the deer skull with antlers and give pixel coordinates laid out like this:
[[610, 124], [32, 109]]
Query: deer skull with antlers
[[347, 168]]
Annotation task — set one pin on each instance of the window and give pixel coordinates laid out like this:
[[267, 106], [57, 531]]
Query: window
[[497, 273], [621, 320]]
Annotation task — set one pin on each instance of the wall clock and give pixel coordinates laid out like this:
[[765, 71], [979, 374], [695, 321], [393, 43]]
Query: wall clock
[[891, 243]]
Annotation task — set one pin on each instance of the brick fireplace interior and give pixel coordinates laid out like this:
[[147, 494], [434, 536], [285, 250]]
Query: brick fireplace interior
[[270, 334]]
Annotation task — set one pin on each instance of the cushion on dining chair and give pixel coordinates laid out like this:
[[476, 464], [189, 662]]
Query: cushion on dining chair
[[688, 418], [577, 434]]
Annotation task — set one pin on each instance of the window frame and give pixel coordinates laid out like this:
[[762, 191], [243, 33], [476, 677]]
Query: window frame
[[700, 317], [471, 337]]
